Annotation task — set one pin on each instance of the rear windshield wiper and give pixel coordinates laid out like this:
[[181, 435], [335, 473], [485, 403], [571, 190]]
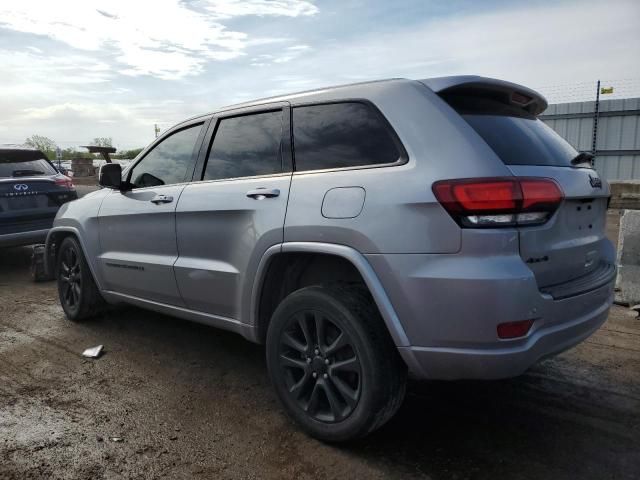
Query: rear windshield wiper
[[26, 173], [583, 157]]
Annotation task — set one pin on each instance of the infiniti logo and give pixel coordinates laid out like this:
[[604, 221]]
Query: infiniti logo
[[21, 187]]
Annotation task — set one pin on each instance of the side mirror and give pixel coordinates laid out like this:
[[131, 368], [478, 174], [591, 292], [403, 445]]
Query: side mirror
[[110, 176]]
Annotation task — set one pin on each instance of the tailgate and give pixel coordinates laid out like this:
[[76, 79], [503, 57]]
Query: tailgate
[[28, 204], [571, 247], [573, 243]]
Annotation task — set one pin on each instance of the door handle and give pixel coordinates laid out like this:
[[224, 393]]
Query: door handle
[[158, 199], [260, 193]]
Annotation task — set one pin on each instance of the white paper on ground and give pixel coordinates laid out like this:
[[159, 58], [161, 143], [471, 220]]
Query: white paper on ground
[[93, 352]]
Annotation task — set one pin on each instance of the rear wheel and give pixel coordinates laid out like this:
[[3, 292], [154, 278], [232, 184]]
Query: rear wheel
[[332, 363], [79, 295]]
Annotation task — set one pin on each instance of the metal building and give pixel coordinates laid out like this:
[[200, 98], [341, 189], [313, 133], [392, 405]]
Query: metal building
[[618, 135]]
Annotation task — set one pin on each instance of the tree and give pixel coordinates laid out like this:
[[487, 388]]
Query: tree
[[71, 153], [102, 142], [42, 143], [128, 154]]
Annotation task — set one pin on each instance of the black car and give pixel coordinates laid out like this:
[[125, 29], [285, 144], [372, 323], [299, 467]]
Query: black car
[[31, 192]]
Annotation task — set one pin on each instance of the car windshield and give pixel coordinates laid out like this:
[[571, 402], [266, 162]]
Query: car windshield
[[10, 166]]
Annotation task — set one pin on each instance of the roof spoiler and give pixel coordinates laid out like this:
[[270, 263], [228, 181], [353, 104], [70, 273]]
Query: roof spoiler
[[512, 93], [16, 154]]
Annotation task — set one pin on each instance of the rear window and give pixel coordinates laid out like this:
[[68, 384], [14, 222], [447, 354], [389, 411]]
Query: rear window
[[339, 135], [517, 137], [24, 163]]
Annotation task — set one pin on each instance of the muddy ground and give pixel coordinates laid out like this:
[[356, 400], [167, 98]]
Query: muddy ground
[[171, 399]]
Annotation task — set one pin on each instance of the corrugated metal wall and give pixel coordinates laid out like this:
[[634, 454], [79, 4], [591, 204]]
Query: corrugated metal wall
[[618, 146]]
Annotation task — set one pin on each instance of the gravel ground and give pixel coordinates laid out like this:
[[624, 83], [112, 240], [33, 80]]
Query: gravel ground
[[171, 399]]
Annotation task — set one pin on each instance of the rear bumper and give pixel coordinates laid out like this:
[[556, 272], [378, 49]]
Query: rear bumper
[[509, 361], [449, 307], [23, 238]]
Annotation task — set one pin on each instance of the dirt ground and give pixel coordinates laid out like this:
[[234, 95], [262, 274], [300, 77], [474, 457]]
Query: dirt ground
[[171, 399]]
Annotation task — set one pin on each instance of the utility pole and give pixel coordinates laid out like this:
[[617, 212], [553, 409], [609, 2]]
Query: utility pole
[[596, 112], [157, 130], [58, 156]]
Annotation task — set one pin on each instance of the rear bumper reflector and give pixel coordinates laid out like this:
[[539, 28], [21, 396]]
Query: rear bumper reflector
[[514, 329]]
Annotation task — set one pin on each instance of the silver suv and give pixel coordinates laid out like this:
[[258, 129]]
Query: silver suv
[[362, 232]]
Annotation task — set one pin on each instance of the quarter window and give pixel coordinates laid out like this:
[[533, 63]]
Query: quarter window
[[171, 161], [340, 135], [246, 146]]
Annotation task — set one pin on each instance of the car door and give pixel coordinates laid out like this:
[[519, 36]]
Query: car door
[[137, 226], [227, 220]]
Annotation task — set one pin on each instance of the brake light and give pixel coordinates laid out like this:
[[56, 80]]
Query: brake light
[[496, 202], [539, 192], [63, 181]]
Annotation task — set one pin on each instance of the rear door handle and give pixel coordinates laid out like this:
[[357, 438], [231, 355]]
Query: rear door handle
[[158, 199], [260, 193]]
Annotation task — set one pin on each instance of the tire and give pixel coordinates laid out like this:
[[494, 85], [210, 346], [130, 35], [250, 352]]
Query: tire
[[78, 293], [359, 380]]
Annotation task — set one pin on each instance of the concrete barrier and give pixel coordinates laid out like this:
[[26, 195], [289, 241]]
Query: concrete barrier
[[628, 281], [82, 167], [625, 194]]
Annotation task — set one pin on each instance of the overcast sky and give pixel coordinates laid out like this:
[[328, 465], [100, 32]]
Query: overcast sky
[[74, 70]]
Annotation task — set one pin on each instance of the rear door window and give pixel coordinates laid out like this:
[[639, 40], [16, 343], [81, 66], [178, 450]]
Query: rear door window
[[340, 135], [246, 146], [517, 137]]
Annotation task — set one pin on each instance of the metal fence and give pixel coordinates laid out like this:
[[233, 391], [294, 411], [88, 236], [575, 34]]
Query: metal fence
[[618, 133]]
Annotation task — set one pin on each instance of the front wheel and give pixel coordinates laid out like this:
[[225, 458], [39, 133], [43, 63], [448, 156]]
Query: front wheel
[[78, 293], [332, 363]]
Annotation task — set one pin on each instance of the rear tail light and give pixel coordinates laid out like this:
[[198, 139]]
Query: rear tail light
[[63, 181], [499, 202]]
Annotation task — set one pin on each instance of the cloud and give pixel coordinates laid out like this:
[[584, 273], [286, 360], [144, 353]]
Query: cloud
[[537, 45], [88, 73], [71, 124], [75, 110], [223, 9], [31, 74], [168, 41], [288, 54]]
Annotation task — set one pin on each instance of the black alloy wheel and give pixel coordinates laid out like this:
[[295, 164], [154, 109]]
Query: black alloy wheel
[[331, 360], [70, 276], [78, 293], [320, 365]]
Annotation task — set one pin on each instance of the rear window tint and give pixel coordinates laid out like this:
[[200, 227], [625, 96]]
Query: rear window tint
[[521, 141], [24, 163], [339, 135], [246, 146], [516, 136]]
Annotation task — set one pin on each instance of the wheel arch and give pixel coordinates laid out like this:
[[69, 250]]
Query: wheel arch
[[55, 236], [344, 256]]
